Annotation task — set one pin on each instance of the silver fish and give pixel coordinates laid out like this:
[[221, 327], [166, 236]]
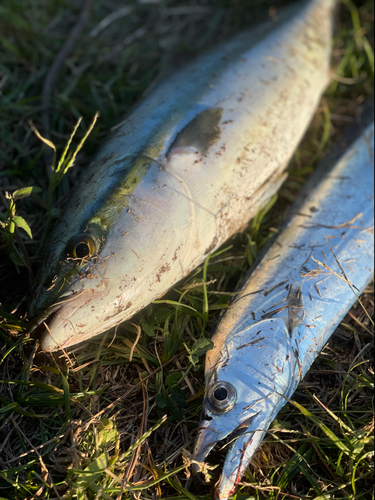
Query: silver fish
[[189, 168], [288, 308]]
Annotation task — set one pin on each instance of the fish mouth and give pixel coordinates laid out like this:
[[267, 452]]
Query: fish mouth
[[242, 442], [210, 439], [49, 326], [41, 322], [237, 461]]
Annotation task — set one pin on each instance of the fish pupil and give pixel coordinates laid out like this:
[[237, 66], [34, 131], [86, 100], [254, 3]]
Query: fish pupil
[[82, 250], [221, 394]]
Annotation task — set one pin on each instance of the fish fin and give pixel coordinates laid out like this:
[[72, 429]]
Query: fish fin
[[201, 133], [296, 309]]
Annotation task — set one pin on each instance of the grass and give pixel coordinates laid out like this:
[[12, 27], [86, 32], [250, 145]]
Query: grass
[[115, 419]]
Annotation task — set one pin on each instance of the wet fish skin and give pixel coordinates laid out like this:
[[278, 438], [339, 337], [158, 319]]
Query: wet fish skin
[[189, 168], [288, 309]]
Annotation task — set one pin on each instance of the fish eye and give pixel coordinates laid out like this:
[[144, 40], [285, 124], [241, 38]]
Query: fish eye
[[81, 246], [222, 396]]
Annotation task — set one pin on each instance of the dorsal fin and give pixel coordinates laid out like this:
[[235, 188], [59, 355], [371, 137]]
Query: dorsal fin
[[201, 133], [296, 309]]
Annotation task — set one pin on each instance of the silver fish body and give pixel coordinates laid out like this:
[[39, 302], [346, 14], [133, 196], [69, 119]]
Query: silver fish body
[[189, 168], [288, 308]]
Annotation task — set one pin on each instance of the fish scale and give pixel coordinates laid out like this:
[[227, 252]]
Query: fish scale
[[186, 170]]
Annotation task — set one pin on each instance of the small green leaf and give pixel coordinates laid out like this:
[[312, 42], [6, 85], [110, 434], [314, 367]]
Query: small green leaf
[[148, 329], [358, 448], [20, 221], [162, 314], [178, 396], [92, 472], [172, 379], [160, 400], [26, 191], [14, 257], [200, 347], [107, 433]]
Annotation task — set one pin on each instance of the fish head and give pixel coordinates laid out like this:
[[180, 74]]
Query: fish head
[[248, 379], [105, 259], [71, 276]]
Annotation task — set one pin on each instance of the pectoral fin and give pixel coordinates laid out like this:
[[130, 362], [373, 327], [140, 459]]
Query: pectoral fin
[[201, 133], [296, 309]]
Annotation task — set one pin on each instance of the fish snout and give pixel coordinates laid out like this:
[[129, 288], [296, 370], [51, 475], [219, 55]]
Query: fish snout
[[223, 493], [62, 320], [207, 440]]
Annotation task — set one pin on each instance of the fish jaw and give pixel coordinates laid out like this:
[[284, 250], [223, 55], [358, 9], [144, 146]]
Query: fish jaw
[[236, 463], [258, 368], [241, 448], [240, 455], [56, 325]]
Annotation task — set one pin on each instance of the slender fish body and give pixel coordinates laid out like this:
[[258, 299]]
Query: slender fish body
[[189, 168], [288, 309]]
